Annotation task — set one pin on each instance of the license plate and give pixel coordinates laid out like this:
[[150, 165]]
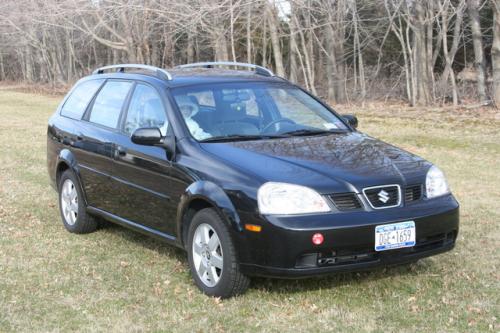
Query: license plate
[[394, 236]]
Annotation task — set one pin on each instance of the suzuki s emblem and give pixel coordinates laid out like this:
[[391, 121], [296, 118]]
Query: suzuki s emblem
[[383, 196]]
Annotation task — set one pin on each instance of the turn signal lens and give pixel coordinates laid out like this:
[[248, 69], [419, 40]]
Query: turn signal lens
[[253, 227], [318, 239]]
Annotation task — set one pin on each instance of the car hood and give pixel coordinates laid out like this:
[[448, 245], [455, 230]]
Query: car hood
[[334, 162]]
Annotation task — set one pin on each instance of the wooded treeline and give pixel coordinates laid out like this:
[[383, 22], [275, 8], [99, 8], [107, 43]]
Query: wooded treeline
[[424, 52]]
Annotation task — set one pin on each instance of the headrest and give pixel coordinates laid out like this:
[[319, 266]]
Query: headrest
[[234, 111], [184, 101], [193, 99]]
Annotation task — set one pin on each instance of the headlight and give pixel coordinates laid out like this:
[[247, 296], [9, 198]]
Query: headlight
[[435, 183], [288, 199]]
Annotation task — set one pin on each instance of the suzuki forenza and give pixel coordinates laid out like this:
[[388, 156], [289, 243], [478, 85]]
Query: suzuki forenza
[[247, 172]]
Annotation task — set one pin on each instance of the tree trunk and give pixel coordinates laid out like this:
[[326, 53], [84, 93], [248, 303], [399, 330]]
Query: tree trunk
[[264, 44], [330, 63], [231, 19], [357, 46], [190, 48], [397, 28], [307, 62], [249, 34], [293, 49], [29, 64], [444, 26], [70, 63], [219, 41], [421, 71], [459, 13], [429, 19], [273, 31], [495, 52], [2, 68], [338, 47], [477, 41]]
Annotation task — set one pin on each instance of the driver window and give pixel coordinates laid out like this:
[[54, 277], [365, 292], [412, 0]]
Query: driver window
[[145, 110]]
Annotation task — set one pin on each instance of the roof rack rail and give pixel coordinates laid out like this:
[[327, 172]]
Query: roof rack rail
[[159, 72], [258, 69]]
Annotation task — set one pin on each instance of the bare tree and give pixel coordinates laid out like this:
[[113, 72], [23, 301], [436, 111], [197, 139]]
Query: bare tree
[[449, 54], [477, 41], [273, 31], [495, 52], [346, 50]]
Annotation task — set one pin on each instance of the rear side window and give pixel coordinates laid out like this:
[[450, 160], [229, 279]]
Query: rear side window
[[109, 102], [77, 102]]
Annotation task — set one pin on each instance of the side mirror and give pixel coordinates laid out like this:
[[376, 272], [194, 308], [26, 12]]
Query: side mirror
[[147, 136], [351, 120]]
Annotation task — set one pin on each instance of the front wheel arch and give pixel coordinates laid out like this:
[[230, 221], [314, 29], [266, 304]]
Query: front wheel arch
[[205, 194]]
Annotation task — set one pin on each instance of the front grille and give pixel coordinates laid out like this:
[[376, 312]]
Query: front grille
[[413, 193], [346, 201], [383, 196]]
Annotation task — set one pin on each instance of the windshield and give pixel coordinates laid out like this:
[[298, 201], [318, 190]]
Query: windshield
[[252, 111]]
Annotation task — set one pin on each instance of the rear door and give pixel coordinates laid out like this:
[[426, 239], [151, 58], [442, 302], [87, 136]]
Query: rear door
[[141, 172], [96, 135]]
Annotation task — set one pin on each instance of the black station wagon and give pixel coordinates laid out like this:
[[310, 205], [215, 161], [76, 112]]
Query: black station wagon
[[247, 172]]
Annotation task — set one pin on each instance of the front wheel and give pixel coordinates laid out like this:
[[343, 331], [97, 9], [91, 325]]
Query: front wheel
[[212, 256]]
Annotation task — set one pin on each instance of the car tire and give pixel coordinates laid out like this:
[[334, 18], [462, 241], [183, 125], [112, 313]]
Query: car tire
[[72, 205], [212, 256]]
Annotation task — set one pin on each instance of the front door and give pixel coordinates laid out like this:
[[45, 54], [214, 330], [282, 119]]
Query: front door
[[142, 173]]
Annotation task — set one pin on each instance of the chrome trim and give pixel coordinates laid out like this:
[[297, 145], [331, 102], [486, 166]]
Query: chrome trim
[[382, 186], [161, 73], [258, 69]]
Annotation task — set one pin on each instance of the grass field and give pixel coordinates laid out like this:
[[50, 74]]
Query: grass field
[[117, 280]]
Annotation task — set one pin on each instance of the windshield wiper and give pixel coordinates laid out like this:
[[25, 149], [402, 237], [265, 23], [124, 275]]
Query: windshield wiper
[[238, 137], [305, 131]]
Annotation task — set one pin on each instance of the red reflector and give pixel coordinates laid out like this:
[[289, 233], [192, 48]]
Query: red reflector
[[318, 239]]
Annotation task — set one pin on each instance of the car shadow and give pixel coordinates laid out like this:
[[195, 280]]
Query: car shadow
[[335, 280], [145, 241], [276, 285]]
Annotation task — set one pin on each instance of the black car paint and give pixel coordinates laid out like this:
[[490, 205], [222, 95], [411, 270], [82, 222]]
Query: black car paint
[[151, 190]]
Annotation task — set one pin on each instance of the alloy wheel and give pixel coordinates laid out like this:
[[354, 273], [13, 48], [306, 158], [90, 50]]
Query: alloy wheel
[[207, 255], [69, 202]]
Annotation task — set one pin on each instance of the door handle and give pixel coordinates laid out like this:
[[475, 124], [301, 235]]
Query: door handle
[[79, 136], [120, 151]]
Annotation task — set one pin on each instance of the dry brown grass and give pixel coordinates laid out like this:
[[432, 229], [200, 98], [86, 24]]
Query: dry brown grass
[[117, 280]]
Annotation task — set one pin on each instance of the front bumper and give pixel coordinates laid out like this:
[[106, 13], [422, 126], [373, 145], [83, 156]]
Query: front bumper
[[284, 247]]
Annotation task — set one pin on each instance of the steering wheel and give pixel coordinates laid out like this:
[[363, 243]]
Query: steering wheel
[[274, 122]]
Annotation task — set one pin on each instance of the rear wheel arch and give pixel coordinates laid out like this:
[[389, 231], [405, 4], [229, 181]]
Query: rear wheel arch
[[66, 161], [61, 167]]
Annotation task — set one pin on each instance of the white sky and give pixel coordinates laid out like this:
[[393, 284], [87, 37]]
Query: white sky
[[284, 8]]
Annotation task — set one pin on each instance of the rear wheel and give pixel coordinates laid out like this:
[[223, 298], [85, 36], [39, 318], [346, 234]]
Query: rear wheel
[[72, 206], [212, 256]]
